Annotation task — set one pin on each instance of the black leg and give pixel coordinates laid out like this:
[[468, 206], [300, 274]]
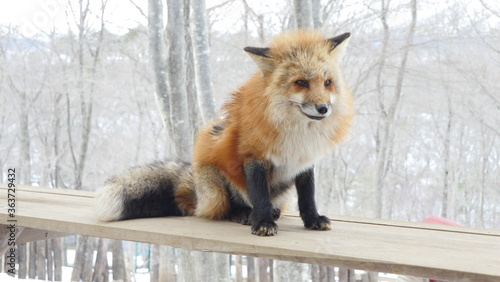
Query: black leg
[[240, 214], [307, 205], [256, 173]]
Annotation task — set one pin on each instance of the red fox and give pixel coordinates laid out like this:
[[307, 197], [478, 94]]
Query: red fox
[[266, 139]]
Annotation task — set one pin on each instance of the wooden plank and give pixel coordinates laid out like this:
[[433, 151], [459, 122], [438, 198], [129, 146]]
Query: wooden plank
[[30, 235], [432, 251]]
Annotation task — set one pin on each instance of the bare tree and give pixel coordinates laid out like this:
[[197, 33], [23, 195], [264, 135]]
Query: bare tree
[[86, 97], [119, 268], [317, 13], [206, 101], [251, 273], [24, 105], [304, 13], [448, 193], [223, 267], [101, 263], [24, 91], [57, 250], [387, 112], [182, 136], [158, 53], [85, 245], [167, 263]]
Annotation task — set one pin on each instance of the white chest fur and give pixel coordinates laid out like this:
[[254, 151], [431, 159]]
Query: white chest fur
[[299, 146]]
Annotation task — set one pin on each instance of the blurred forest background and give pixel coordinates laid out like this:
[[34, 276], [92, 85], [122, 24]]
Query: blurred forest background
[[91, 88]]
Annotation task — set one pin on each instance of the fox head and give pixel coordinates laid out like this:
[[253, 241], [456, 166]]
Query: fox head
[[302, 72]]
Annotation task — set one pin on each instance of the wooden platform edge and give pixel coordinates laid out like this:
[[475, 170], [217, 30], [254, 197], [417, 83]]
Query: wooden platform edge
[[265, 247]]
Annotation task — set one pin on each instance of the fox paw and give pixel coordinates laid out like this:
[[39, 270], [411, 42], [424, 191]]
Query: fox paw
[[268, 228], [241, 215], [276, 213], [319, 222]]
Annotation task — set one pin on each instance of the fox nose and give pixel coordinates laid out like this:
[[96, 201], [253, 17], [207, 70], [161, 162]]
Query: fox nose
[[322, 109]]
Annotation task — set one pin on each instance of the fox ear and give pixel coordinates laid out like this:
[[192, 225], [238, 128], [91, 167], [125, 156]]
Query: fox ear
[[339, 41], [261, 57]]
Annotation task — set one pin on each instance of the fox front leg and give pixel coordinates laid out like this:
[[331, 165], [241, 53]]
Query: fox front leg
[[256, 173], [304, 183]]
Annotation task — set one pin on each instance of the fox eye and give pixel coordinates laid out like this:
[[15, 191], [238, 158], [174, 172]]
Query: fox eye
[[328, 82], [302, 83]]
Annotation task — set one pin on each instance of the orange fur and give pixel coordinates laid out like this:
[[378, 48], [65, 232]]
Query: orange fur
[[261, 121], [212, 198], [185, 198]]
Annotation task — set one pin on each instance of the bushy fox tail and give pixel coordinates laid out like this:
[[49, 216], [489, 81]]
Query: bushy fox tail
[[157, 189]]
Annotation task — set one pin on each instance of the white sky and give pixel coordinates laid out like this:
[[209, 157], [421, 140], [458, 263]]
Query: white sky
[[33, 16]]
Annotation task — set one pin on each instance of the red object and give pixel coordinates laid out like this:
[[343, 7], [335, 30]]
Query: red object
[[439, 220], [434, 219]]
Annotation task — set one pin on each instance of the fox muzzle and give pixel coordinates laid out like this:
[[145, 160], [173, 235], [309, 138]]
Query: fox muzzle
[[316, 112]]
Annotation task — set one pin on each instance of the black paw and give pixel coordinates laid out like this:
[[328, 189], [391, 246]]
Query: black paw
[[276, 214], [267, 228], [241, 215], [319, 222]]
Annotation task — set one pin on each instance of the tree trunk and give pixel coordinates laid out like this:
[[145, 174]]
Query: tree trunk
[[25, 143], [158, 60], [370, 277], [347, 275], [84, 253], [187, 269], [299, 271], [177, 76], [32, 260], [167, 264], [262, 37], [208, 271], [446, 211], [315, 275], [324, 273], [101, 263], [23, 261], [50, 260], [270, 262], [24, 170], [263, 273], [58, 258], [281, 270], [206, 101], [485, 159], [330, 273], [385, 132], [317, 14], [195, 113], [379, 141], [119, 270], [79, 257], [303, 13], [239, 268], [88, 263], [154, 272], [41, 263], [222, 266], [58, 110], [251, 269], [85, 102]]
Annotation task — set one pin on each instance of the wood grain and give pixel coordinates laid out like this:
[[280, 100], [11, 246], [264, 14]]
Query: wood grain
[[418, 249]]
